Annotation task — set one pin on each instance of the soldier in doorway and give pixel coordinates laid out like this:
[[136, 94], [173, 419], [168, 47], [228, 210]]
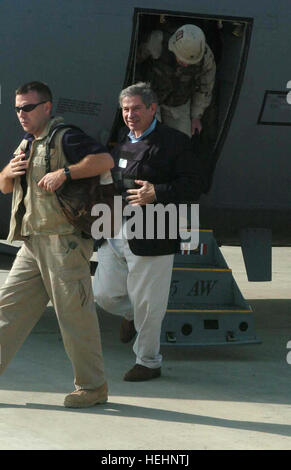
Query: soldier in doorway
[[181, 69]]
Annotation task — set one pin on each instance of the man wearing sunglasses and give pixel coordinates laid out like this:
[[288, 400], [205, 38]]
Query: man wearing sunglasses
[[53, 262]]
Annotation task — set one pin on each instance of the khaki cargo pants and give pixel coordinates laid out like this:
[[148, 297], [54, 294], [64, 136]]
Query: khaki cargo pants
[[56, 268]]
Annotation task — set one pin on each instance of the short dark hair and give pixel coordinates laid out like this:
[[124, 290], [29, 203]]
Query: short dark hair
[[141, 89], [41, 88]]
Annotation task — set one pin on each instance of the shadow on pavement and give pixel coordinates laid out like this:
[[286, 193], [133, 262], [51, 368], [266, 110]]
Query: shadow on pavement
[[133, 411]]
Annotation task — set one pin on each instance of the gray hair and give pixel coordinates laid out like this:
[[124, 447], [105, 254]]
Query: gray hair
[[141, 89]]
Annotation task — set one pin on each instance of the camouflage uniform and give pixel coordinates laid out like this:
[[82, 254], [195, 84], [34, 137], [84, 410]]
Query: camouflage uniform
[[183, 92]]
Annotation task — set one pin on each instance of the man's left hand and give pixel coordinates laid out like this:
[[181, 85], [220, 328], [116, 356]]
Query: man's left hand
[[144, 195], [52, 181]]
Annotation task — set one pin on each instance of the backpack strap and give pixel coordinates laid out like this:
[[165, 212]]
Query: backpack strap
[[51, 136]]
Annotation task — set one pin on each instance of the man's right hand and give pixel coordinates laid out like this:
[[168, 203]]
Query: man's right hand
[[17, 166], [196, 125]]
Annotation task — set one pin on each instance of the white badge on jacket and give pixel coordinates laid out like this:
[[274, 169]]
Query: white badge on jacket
[[122, 163]]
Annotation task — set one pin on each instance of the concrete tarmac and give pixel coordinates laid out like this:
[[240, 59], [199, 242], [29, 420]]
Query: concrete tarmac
[[215, 398]]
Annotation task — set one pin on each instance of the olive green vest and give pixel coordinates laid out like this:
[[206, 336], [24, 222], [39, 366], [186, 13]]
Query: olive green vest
[[38, 212]]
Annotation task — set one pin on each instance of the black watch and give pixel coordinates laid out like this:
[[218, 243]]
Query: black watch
[[67, 173]]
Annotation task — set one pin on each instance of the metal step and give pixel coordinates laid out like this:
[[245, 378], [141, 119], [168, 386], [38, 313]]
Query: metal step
[[208, 308], [208, 326], [206, 254], [201, 285], [205, 305]]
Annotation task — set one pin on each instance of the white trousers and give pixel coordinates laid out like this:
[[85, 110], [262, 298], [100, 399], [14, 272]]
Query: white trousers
[[136, 287], [177, 117]]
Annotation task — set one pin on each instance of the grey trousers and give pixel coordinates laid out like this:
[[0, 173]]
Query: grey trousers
[[136, 287], [55, 268]]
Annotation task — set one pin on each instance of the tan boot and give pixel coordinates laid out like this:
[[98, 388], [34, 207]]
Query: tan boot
[[87, 398]]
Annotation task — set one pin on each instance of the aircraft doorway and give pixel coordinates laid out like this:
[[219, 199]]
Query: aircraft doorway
[[228, 38]]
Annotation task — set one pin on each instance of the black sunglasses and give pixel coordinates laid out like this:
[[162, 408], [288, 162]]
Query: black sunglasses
[[28, 107]]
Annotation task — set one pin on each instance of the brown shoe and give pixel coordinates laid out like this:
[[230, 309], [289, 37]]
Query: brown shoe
[[87, 398], [140, 373], [127, 330]]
